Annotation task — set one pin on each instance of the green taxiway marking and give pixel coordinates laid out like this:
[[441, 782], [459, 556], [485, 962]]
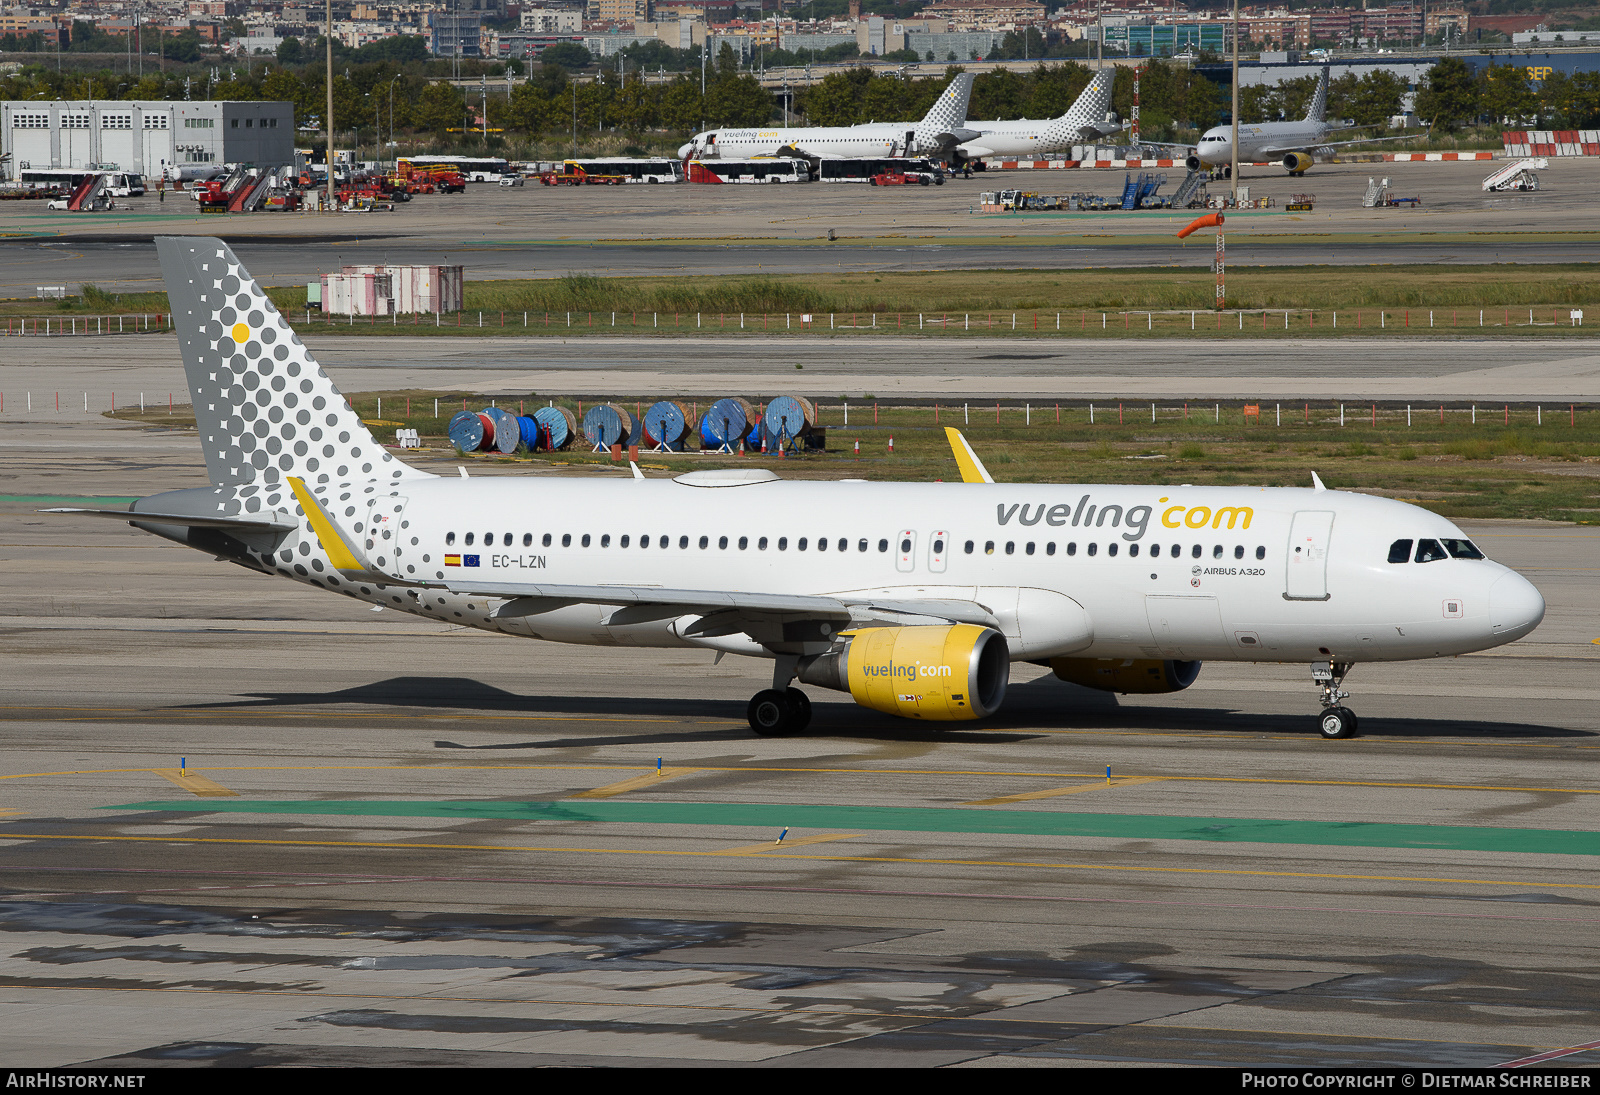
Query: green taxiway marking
[[1224, 830], [61, 499]]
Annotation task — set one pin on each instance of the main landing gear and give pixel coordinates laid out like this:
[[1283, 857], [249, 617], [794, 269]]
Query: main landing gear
[[773, 713], [1336, 721], [780, 710]]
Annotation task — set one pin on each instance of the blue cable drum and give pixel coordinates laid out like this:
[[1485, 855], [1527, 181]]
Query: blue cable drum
[[606, 424], [560, 426], [666, 423], [528, 427], [725, 422], [787, 419], [507, 432], [466, 431], [753, 438]]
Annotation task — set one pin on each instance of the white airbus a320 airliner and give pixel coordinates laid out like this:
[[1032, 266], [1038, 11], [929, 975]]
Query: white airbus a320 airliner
[[913, 597]]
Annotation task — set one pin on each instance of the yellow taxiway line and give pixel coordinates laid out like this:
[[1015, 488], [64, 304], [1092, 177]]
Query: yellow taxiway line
[[997, 775], [1010, 864], [773, 847], [649, 779], [195, 783], [1056, 792]]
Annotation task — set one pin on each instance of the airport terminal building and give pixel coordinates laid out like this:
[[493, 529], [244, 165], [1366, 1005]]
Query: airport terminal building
[[143, 135]]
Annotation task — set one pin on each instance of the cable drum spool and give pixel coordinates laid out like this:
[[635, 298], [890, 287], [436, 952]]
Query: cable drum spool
[[466, 431], [559, 425], [528, 428], [666, 423], [507, 431], [725, 422], [607, 424], [788, 418]]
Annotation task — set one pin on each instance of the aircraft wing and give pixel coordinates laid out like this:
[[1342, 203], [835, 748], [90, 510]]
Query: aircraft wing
[[265, 523], [530, 598], [1313, 147]]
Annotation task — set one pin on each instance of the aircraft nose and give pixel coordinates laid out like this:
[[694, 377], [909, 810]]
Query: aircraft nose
[[684, 150], [1515, 607]]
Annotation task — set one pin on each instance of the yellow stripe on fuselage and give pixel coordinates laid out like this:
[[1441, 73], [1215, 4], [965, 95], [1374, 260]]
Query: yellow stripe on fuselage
[[333, 542]]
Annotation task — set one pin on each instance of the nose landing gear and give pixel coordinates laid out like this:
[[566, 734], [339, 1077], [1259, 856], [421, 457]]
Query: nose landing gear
[[1336, 721]]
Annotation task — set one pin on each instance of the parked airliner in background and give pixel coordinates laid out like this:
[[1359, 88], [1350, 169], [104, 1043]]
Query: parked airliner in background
[[1296, 145], [940, 130], [1089, 118], [913, 597]]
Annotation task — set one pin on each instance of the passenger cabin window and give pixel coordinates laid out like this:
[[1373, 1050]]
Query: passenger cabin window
[[744, 542], [1111, 548], [988, 547], [1133, 549], [1261, 552], [546, 540], [527, 539], [585, 541], [623, 542], [1216, 552], [1430, 551], [862, 546], [1050, 548], [704, 541], [1093, 548], [1400, 551], [1072, 547], [883, 545], [683, 542], [783, 543], [800, 544], [822, 543], [468, 540], [1196, 552], [761, 544], [1238, 551], [449, 538], [1462, 549], [722, 542], [967, 547], [605, 541], [566, 539]]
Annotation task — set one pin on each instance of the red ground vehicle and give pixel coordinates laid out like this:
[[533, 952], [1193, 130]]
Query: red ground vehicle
[[894, 178]]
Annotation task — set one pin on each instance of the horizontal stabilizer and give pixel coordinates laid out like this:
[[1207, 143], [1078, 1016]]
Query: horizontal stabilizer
[[143, 517]]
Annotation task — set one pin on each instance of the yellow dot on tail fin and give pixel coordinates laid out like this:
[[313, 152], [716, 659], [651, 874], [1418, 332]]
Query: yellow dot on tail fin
[[240, 332]]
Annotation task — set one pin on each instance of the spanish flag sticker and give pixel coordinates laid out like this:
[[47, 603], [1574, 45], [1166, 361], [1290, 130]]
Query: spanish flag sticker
[[452, 560]]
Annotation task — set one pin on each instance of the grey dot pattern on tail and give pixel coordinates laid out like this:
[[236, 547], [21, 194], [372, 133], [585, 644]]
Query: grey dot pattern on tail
[[265, 408]]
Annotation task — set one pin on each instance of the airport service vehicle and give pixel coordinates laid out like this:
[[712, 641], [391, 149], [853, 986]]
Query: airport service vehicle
[[1089, 117], [835, 169], [939, 131], [116, 182], [1296, 145], [470, 168], [907, 178], [761, 169], [613, 172], [915, 598], [512, 180]]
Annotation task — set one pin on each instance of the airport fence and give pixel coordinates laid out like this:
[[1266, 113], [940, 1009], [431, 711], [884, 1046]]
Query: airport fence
[[1254, 321]]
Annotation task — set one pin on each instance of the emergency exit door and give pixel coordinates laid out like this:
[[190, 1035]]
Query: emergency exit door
[[1306, 577]]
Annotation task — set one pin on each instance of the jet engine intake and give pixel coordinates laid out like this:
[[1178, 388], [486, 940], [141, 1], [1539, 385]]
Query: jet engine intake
[[1138, 676], [1296, 163], [939, 673], [1193, 162]]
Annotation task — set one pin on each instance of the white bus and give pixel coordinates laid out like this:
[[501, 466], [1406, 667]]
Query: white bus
[[830, 169], [766, 170], [119, 184], [472, 168], [615, 172]]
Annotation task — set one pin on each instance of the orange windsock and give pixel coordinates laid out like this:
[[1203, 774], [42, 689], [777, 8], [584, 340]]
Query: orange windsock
[[1210, 220]]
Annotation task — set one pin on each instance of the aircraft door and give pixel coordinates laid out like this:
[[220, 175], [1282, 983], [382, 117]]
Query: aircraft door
[[387, 535], [938, 551], [1306, 577], [911, 142], [906, 546]]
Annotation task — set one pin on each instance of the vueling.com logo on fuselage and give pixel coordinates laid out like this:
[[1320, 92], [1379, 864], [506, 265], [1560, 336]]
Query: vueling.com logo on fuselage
[[1135, 519], [909, 672]]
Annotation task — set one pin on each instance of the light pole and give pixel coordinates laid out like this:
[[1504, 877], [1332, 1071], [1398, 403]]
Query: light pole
[[1233, 141], [328, 34], [392, 146]]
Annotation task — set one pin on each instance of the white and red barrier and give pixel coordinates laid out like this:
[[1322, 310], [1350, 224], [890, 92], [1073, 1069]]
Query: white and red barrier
[[1432, 157], [1551, 142]]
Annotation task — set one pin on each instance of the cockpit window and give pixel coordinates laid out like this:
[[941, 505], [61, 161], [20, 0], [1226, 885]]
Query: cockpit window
[[1430, 551], [1462, 549], [1400, 551]]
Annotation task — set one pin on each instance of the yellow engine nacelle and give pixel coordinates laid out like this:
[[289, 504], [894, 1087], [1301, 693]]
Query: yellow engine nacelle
[[1296, 163], [939, 673], [1142, 676]]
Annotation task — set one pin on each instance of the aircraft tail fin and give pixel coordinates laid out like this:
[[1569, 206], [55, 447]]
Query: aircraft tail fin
[[264, 407], [1086, 114], [1318, 110], [949, 110]]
